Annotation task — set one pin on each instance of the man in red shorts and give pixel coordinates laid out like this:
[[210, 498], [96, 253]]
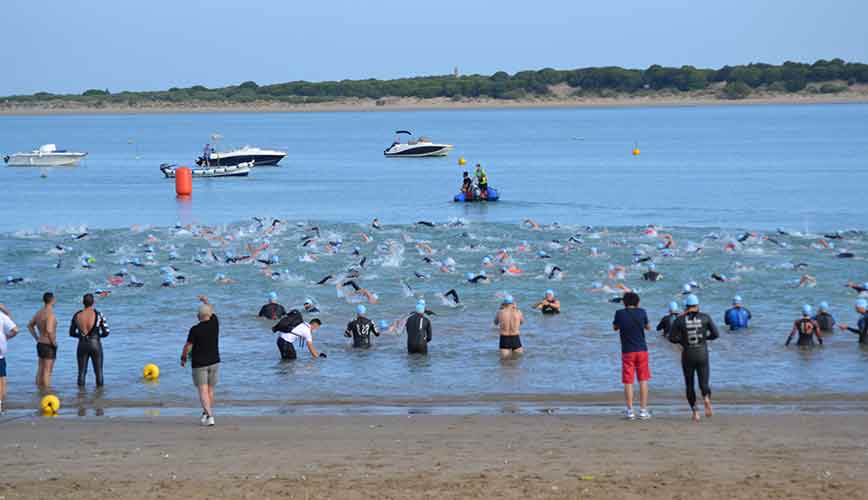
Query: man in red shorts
[[632, 322]]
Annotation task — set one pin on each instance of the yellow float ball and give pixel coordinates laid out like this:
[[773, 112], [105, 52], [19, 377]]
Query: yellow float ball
[[636, 151], [50, 405], [462, 161], [151, 372]]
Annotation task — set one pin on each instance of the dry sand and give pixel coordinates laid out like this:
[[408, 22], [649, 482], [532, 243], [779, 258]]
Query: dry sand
[[709, 97], [527, 457]]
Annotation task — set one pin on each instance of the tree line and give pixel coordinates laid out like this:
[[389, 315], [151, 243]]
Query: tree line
[[734, 82]]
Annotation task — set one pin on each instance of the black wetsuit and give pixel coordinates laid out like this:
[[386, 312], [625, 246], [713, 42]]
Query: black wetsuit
[[651, 276], [324, 280], [418, 329], [360, 329], [477, 279], [862, 330], [826, 322], [665, 324], [693, 331], [807, 329], [90, 346], [272, 311], [452, 293]]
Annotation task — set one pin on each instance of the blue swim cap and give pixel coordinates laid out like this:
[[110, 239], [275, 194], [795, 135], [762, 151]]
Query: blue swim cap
[[420, 308], [862, 304], [275, 259], [9, 278], [550, 292], [272, 296], [308, 300], [691, 300], [736, 300], [486, 260], [686, 288], [469, 276], [652, 266], [596, 284], [421, 301], [221, 276], [865, 285], [541, 253], [361, 309], [824, 306], [807, 310], [508, 299], [384, 325], [673, 307]]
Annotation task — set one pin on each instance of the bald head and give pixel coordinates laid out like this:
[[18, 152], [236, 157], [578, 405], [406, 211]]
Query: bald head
[[205, 312]]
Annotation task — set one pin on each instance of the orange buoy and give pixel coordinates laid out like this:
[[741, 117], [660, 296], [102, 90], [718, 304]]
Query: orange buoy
[[183, 181]]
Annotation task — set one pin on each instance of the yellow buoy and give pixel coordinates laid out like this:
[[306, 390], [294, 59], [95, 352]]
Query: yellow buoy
[[50, 405], [636, 151], [462, 161], [151, 372]]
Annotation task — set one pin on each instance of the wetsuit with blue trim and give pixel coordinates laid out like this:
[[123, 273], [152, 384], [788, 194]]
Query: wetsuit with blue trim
[[862, 330]]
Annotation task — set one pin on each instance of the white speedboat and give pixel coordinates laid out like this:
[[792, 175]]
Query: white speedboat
[[248, 154], [240, 170], [46, 156], [415, 148]]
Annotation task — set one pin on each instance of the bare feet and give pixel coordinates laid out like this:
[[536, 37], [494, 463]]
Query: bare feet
[[696, 417], [709, 411]]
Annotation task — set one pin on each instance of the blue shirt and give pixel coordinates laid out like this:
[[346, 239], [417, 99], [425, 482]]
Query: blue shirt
[[631, 323]]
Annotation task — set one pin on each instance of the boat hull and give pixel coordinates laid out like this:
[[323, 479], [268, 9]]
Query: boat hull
[[258, 160], [493, 195], [423, 151], [242, 170], [45, 160]]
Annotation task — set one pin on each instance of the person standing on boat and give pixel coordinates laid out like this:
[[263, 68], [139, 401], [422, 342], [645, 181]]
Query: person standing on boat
[[206, 155], [467, 185], [482, 180]]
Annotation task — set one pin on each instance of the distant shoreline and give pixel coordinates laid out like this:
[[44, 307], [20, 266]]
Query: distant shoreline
[[856, 96]]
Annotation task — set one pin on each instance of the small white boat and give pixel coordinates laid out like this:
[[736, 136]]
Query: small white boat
[[240, 170], [46, 156], [415, 148]]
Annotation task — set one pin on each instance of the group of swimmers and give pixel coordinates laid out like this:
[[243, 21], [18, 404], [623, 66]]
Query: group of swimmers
[[89, 326]]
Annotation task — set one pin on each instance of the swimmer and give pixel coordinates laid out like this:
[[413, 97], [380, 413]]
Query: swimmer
[[807, 328], [221, 279], [310, 307], [425, 223], [509, 320], [418, 329], [651, 274], [807, 280], [478, 278], [421, 275], [549, 304], [664, 327], [43, 328], [845, 255], [99, 292], [860, 289], [719, 277], [13, 281], [825, 319], [361, 329], [737, 317], [135, 283], [454, 295], [376, 224], [543, 255], [693, 330], [325, 280], [272, 310], [81, 236], [486, 262], [556, 273], [862, 325], [89, 326], [532, 224]]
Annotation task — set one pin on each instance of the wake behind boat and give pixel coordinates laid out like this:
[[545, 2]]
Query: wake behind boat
[[415, 148], [46, 156], [240, 170]]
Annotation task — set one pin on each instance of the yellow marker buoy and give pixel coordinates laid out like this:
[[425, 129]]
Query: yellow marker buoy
[[151, 372], [462, 161], [636, 151], [50, 405]]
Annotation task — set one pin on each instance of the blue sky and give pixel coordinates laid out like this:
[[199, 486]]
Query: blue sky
[[72, 45]]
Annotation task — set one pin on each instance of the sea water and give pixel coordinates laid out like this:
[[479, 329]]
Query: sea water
[[705, 174]]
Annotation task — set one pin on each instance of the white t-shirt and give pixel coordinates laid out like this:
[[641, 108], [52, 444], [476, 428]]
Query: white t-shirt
[[6, 327], [302, 331]]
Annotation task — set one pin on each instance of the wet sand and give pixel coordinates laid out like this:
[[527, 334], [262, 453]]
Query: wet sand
[[764, 456]]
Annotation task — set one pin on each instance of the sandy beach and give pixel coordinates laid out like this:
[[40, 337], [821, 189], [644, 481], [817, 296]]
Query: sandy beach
[[559, 99], [752, 456]]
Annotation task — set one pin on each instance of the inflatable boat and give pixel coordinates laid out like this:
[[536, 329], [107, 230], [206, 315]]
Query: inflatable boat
[[240, 170], [493, 195]]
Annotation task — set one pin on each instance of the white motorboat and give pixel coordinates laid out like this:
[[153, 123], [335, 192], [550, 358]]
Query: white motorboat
[[248, 154], [415, 148], [240, 170], [46, 156]]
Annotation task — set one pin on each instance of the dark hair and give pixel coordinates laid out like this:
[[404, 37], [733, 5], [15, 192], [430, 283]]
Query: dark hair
[[316, 321], [47, 297], [87, 300], [631, 299], [466, 174]]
